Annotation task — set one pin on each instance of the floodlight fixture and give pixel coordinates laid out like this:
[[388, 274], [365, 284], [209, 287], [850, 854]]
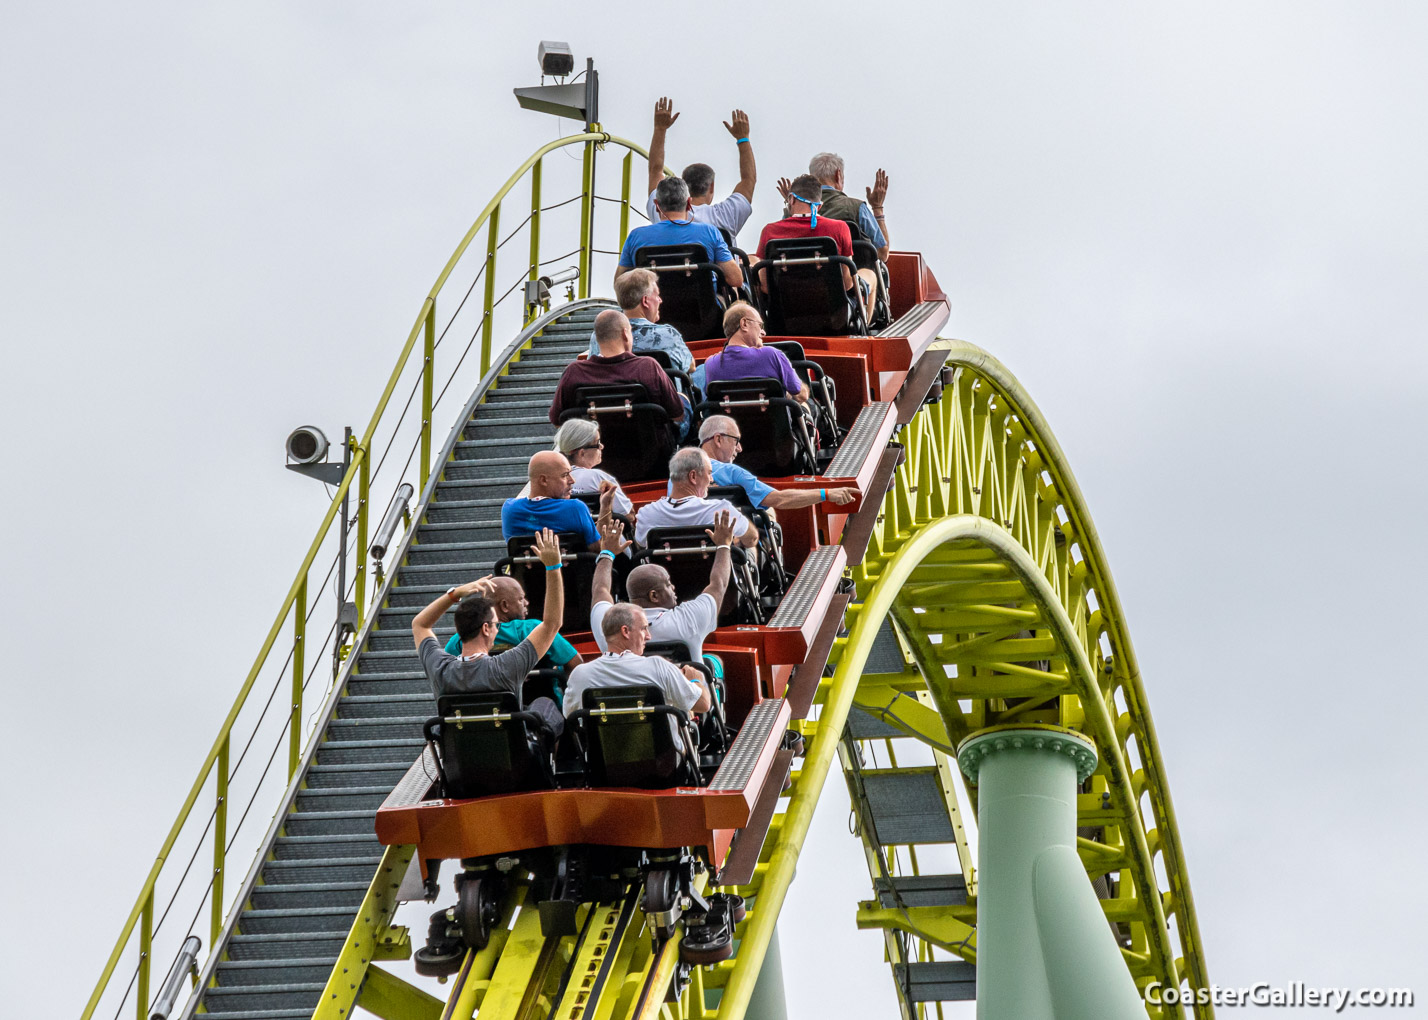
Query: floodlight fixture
[[555, 58], [579, 101], [306, 445]]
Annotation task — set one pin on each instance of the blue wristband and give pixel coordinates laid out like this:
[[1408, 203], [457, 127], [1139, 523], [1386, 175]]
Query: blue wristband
[[740, 141], [555, 566], [606, 552], [822, 495]]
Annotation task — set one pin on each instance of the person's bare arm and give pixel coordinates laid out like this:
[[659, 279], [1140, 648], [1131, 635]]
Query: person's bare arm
[[788, 499], [802, 395], [750, 538], [722, 535], [612, 540], [547, 547], [425, 620], [664, 116], [622, 270], [738, 126], [878, 194], [733, 275], [690, 673], [847, 277]]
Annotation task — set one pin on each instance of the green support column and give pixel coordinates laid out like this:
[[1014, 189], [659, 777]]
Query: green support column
[[1044, 950], [768, 1001]]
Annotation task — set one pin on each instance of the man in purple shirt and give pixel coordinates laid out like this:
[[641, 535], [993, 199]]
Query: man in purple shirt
[[745, 357]]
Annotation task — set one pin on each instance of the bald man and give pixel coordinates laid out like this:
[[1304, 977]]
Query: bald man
[[549, 504], [649, 588], [508, 598], [616, 363]]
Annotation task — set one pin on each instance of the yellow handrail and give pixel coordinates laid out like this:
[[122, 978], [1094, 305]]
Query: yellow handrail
[[359, 467]]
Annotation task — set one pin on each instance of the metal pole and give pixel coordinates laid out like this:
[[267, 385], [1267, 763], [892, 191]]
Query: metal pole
[[220, 844], [184, 964], [299, 639], [535, 231], [493, 237], [364, 487], [146, 949], [342, 532], [587, 203], [625, 197], [768, 1001], [428, 370], [1044, 950]]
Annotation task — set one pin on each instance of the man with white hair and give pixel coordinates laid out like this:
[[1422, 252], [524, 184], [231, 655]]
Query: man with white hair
[[728, 213], [687, 505], [626, 631], [721, 439], [828, 168]]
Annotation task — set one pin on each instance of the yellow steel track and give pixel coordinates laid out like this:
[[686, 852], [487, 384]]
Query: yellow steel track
[[986, 563]]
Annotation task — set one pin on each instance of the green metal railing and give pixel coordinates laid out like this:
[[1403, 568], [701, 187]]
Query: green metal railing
[[295, 609]]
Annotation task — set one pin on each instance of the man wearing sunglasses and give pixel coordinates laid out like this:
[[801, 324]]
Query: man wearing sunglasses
[[720, 438]]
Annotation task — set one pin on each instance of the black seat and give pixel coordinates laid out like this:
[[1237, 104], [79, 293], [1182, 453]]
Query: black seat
[[776, 434], [805, 295], [628, 741], [687, 554], [714, 736], [578, 576], [639, 435], [688, 287], [485, 744], [822, 393], [681, 379], [865, 254]]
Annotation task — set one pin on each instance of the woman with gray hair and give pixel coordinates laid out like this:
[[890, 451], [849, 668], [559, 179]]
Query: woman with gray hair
[[579, 440]]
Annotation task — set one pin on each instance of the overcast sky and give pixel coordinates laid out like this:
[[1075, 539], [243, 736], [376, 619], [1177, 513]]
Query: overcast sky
[[1196, 232]]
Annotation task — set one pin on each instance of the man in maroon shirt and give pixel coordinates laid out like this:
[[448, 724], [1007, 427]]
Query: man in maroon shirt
[[617, 364], [804, 198]]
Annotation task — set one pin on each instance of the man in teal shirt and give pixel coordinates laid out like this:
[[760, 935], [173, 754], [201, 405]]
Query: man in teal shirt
[[509, 600]]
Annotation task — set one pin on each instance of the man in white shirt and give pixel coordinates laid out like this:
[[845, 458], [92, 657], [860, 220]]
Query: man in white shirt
[[649, 588], [687, 505], [729, 213], [626, 631]]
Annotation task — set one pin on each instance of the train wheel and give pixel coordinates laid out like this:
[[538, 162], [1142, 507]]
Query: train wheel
[[706, 944], [737, 910], [477, 908], [441, 960], [661, 896]]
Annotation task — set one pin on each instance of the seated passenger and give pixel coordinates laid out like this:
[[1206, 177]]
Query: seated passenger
[[721, 439], [625, 631], [638, 294], [476, 669], [805, 218], [828, 168], [508, 599], [579, 441], [745, 357], [728, 213], [649, 588], [686, 506], [615, 364], [678, 227], [549, 504]]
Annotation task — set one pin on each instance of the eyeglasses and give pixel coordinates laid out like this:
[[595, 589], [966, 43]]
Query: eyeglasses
[[597, 445], [738, 440]]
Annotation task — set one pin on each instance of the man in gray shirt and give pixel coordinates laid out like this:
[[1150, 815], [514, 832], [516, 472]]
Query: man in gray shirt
[[476, 669]]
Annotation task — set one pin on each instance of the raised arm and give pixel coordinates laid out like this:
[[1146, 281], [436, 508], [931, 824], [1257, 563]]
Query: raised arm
[[547, 547], [612, 540], [664, 116], [738, 126], [425, 620], [878, 194], [722, 534]]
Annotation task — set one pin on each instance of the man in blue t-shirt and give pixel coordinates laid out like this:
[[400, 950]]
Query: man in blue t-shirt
[[549, 505], [720, 437], [678, 227]]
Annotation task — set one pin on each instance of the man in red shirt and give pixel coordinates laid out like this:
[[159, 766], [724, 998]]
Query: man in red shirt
[[804, 198], [616, 364]]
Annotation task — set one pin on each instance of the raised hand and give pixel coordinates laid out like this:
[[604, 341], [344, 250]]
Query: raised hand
[[547, 547], [739, 127], [879, 191], [785, 188], [723, 530], [607, 497], [483, 586], [612, 536], [664, 115]]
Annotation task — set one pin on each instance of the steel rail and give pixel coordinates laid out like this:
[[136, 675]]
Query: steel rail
[[968, 355], [356, 475]]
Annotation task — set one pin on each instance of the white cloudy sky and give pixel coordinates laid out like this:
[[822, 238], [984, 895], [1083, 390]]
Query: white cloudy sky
[[1195, 231]]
